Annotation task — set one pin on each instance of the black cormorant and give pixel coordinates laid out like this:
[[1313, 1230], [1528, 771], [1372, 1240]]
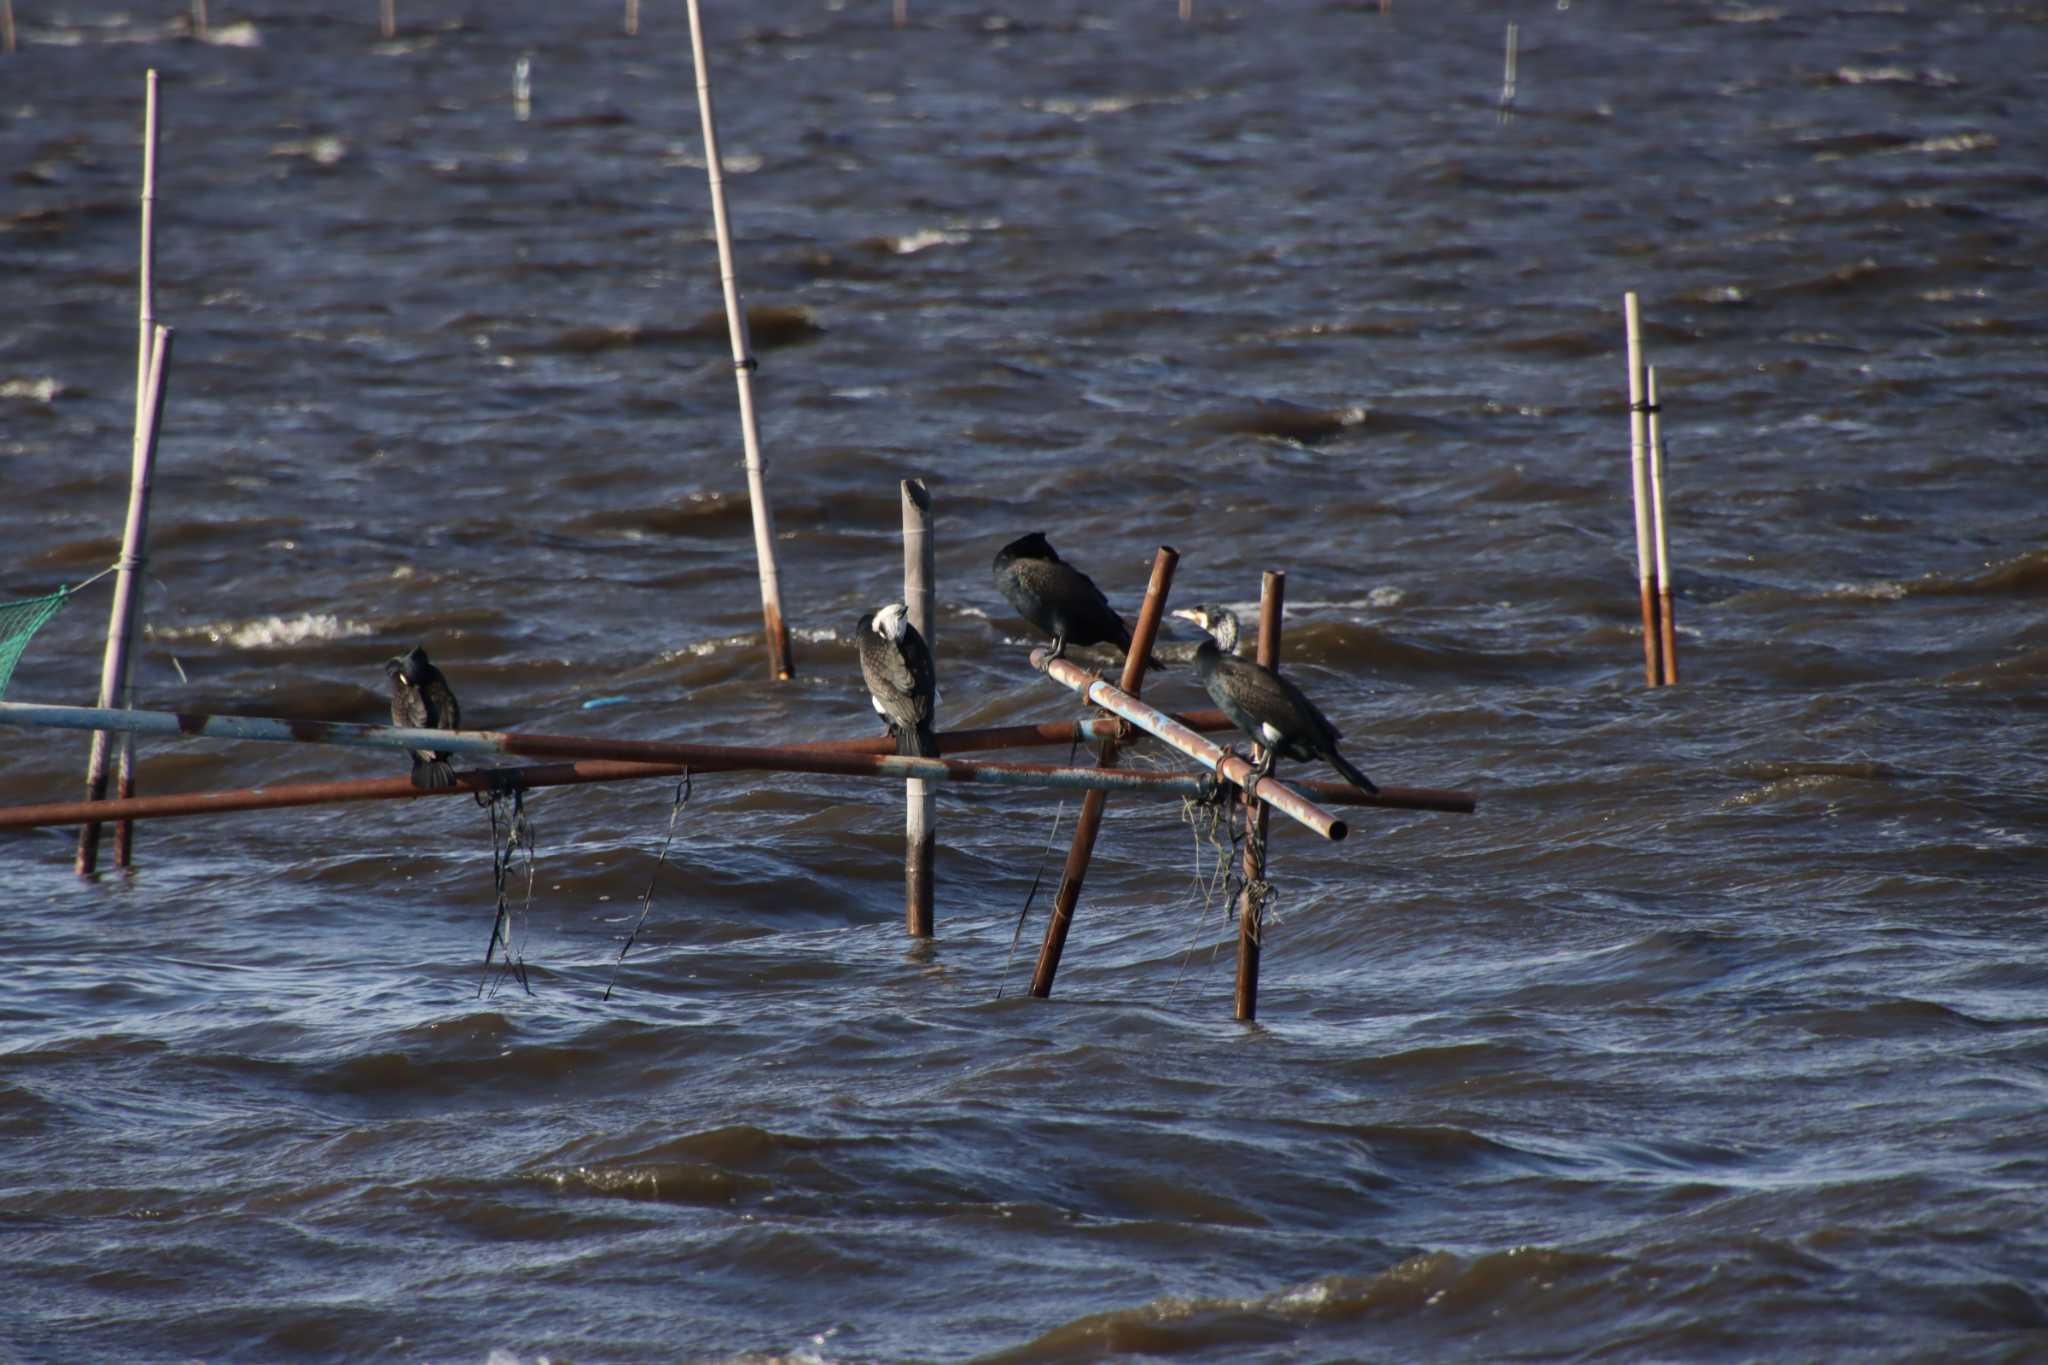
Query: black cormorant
[[898, 667], [1265, 705], [1057, 597], [422, 699]]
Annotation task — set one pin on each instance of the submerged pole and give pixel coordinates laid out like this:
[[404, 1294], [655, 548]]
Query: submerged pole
[[145, 336], [1666, 625], [1090, 823], [1251, 905], [1638, 411], [776, 629], [918, 835], [121, 618]]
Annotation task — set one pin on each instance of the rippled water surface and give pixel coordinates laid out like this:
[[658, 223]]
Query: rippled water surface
[[1717, 1033]]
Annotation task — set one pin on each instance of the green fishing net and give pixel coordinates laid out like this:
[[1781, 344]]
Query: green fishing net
[[19, 621]]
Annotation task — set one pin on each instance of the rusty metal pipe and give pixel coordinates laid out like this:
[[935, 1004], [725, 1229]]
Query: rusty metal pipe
[[1250, 914]]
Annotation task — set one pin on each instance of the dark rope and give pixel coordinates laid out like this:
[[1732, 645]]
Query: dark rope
[[1037, 877], [518, 834], [675, 809]]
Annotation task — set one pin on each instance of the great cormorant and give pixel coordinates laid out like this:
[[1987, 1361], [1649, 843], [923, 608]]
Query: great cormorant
[[898, 667], [1057, 597], [1265, 705], [422, 699]]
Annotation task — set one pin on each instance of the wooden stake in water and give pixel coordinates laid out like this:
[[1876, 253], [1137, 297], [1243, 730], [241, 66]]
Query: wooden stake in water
[[780, 662], [1667, 626], [387, 18], [6, 26], [1507, 80], [919, 837], [199, 19], [121, 619], [901, 15], [522, 89], [1251, 925], [145, 345], [632, 18], [1638, 411]]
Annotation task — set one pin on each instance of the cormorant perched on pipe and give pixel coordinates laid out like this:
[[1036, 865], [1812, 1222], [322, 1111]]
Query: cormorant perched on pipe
[[1265, 705], [898, 667], [422, 699], [1057, 597]]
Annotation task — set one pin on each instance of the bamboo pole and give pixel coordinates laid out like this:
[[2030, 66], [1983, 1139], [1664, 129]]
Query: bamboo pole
[[6, 27], [1507, 79], [387, 18], [901, 16], [632, 18], [1666, 623], [1251, 907], [780, 662], [1638, 410], [145, 336], [919, 838], [121, 619], [1090, 823], [199, 25]]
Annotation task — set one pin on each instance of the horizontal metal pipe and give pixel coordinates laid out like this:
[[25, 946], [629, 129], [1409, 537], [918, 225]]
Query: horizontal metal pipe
[[36, 715], [1163, 727], [557, 775]]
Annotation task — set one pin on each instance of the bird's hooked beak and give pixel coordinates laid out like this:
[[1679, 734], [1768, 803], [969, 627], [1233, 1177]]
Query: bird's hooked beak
[[1195, 614]]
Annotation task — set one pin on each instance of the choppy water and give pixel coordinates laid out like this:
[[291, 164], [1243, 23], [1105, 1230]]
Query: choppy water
[[1718, 1033]]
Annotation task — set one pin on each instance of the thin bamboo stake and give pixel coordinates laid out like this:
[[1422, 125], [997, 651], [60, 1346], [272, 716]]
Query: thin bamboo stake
[[1667, 625], [1187, 10], [632, 18], [1251, 922], [1507, 80], [121, 619], [145, 335], [522, 89], [1638, 410], [199, 19], [6, 26], [901, 17], [780, 662], [919, 837], [387, 18], [1089, 825]]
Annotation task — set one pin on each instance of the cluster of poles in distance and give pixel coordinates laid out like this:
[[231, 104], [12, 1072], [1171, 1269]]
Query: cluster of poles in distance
[[1653, 543], [152, 379]]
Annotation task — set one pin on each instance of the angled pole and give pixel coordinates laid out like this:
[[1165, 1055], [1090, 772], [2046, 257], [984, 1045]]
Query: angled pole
[[145, 338], [1667, 626], [743, 366], [121, 619], [919, 838], [1090, 823], [1251, 906]]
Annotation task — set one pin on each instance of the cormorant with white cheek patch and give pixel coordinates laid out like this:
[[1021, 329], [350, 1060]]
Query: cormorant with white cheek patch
[[898, 667], [1265, 705], [422, 700]]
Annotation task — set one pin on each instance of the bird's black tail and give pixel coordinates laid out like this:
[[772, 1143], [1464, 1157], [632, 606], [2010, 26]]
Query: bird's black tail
[[432, 774], [918, 742], [1351, 774]]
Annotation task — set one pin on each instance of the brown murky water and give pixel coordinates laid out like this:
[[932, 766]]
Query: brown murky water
[[1718, 1033]]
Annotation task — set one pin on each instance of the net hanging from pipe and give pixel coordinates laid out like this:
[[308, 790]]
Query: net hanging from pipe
[[19, 621]]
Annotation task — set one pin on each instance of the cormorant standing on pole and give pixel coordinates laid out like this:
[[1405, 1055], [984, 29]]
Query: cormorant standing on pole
[[898, 667], [1267, 707], [422, 699], [1057, 597]]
